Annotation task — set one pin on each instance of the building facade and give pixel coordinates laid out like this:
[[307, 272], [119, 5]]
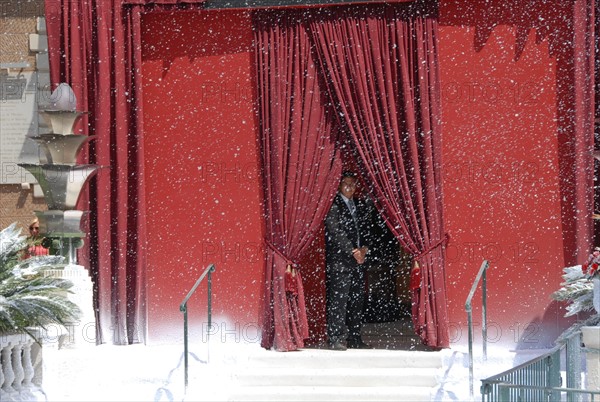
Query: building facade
[[519, 111]]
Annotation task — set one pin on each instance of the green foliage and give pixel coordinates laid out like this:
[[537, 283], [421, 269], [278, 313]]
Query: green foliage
[[28, 297], [576, 289]]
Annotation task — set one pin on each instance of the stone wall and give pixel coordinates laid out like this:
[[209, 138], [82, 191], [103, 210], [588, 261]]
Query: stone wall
[[22, 50], [17, 205]]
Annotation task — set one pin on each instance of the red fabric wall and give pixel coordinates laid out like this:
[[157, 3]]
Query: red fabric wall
[[201, 160], [502, 186], [502, 192]]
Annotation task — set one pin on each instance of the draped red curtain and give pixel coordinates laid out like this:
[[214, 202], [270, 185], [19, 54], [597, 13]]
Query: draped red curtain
[[95, 46], [582, 115], [381, 68], [301, 168]]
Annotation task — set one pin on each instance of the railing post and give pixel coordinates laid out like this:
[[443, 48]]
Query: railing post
[[469, 310], [573, 362], [484, 312], [185, 344], [554, 378], [18, 365], [540, 379], [210, 271], [6, 365], [487, 390], [591, 339], [503, 394], [470, 332], [183, 308]]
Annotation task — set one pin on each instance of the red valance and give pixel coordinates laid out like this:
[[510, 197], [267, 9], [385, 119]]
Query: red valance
[[161, 2]]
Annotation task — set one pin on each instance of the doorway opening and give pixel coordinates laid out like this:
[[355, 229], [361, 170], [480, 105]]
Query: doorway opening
[[387, 308], [387, 314]]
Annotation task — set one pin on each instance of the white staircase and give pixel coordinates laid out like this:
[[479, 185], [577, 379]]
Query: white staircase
[[320, 375]]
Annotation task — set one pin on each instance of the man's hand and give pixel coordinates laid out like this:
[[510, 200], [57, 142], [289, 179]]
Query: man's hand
[[359, 254]]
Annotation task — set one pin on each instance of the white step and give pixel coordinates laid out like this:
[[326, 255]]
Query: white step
[[319, 375], [317, 358], [408, 394], [338, 377]]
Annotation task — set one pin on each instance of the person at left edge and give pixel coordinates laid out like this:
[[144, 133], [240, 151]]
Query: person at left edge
[[34, 241]]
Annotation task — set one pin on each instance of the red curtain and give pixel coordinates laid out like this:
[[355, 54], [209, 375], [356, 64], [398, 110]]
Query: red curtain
[[582, 115], [381, 65], [95, 46], [301, 169]]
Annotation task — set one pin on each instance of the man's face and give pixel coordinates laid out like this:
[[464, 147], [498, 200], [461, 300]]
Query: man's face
[[348, 187]]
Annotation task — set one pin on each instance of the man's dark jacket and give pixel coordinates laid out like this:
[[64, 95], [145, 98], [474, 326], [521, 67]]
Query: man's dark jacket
[[341, 235]]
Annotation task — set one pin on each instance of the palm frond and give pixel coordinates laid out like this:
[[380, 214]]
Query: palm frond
[[29, 297]]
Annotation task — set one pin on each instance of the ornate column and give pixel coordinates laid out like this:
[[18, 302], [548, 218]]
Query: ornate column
[[7, 391], [18, 366], [591, 340], [62, 180]]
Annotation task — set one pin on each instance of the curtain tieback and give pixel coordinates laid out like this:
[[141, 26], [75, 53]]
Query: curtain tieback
[[415, 272], [291, 284], [443, 241], [415, 276]]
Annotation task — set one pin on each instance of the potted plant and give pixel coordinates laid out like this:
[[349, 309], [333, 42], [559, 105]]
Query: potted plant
[[577, 290], [29, 298]]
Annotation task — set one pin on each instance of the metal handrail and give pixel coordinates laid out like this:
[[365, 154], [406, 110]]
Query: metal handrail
[[183, 308], [481, 275], [551, 393], [540, 377]]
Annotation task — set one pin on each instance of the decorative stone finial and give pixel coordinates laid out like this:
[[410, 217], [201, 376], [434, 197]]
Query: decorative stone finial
[[63, 98]]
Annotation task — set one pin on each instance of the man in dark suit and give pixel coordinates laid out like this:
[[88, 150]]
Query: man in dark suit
[[346, 241]]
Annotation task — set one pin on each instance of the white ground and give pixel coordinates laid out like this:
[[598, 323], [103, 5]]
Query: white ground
[[155, 373]]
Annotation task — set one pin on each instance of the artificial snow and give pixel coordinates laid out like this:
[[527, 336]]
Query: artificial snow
[[156, 373]]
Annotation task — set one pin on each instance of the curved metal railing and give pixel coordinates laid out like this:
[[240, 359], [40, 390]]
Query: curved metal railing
[[481, 276], [540, 379], [183, 308]]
